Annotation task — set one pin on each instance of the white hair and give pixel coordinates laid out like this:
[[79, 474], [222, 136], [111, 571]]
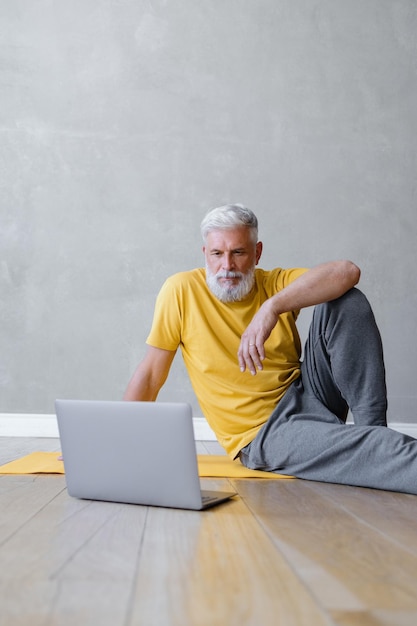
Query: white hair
[[228, 217]]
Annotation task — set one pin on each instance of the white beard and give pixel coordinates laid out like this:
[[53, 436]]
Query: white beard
[[231, 293]]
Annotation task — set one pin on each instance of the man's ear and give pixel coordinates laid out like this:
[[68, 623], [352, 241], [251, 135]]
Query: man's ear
[[259, 247]]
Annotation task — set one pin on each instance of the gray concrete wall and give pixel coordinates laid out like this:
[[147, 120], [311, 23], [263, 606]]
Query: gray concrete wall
[[122, 122]]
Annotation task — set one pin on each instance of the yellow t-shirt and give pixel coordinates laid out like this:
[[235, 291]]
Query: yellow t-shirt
[[189, 316]]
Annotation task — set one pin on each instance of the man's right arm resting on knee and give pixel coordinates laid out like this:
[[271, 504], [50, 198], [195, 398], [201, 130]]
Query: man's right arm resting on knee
[[150, 375]]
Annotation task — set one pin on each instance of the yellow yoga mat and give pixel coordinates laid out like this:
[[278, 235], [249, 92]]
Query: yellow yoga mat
[[222, 466], [209, 465]]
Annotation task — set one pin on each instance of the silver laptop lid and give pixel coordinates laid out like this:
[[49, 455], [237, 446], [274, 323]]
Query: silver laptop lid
[[133, 452]]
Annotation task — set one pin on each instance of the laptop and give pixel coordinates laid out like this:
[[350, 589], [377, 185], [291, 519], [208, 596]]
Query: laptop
[[132, 452]]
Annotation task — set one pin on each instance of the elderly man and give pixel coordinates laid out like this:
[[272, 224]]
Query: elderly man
[[236, 327]]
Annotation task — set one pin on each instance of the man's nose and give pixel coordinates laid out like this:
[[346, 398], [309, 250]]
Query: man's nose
[[228, 262]]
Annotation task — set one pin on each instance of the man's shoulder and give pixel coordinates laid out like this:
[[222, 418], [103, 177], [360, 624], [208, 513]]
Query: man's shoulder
[[183, 282], [263, 275], [278, 277], [259, 271], [183, 288], [187, 277]]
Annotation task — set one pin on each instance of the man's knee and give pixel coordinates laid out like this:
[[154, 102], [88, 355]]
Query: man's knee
[[353, 299], [353, 305]]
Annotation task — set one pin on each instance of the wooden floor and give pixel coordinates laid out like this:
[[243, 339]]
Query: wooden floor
[[285, 553]]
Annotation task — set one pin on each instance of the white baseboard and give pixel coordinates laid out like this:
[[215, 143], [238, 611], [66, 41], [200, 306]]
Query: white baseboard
[[44, 425], [28, 425]]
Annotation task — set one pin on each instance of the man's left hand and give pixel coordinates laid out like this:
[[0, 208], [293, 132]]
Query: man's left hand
[[251, 351]]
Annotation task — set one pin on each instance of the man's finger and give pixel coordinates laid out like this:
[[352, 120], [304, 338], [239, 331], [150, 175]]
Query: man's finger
[[249, 357]]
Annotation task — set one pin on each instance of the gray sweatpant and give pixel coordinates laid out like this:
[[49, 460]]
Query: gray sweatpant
[[306, 435]]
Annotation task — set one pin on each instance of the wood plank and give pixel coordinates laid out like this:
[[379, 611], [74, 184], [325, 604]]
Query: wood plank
[[347, 564], [95, 584], [393, 514], [284, 552], [72, 562], [375, 618], [22, 498], [12, 448], [214, 568]]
